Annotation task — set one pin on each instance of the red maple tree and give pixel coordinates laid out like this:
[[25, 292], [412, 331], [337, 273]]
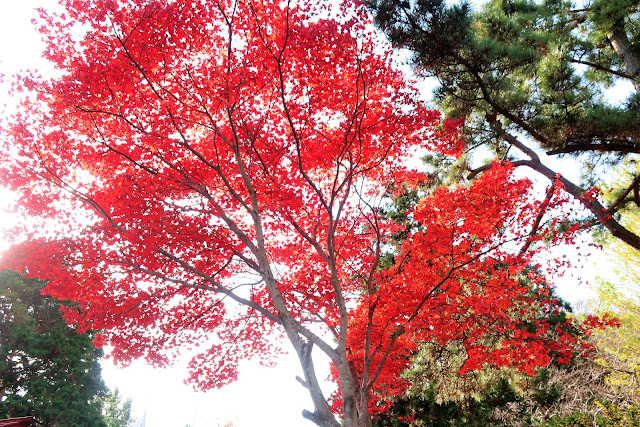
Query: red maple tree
[[213, 174]]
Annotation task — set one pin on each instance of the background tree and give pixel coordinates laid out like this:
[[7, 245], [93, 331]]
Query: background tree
[[618, 293], [47, 369], [533, 75], [116, 410], [212, 174]]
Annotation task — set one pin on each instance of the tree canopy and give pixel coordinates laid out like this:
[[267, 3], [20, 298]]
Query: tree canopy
[[207, 176], [530, 76]]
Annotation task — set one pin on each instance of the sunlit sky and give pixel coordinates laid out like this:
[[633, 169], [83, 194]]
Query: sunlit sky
[[262, 396]]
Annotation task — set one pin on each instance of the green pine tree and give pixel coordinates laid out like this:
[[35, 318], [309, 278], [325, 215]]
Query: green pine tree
[[47, 369], [530, 76]]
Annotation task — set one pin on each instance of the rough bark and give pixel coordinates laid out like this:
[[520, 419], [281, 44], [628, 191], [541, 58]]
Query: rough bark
[[630, 57]]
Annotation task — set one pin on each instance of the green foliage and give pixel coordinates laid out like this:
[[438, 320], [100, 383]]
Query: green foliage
[[611, 416], [116, 411], [539, 401], [619, 293], [501, 401], [47, 369], [527, 75], [520, 59]]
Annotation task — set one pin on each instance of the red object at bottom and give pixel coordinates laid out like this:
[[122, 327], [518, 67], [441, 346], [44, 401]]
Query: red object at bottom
[[17, 422]]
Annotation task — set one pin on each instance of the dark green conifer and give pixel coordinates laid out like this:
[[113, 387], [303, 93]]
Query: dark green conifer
[[47, 369]]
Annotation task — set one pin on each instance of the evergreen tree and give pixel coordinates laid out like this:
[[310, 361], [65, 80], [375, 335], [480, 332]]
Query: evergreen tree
[[47, 369], [117, 410], [532, 75]]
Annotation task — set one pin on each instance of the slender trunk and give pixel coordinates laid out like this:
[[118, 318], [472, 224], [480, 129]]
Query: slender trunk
[[354, 403], [322, 415]]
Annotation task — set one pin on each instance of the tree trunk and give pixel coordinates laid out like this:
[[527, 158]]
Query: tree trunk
[[630, 57], [322, 415], [365, 417], [349, 394]]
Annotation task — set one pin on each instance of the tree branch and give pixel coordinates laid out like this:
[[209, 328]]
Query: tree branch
[[573, 148], [590, 203]]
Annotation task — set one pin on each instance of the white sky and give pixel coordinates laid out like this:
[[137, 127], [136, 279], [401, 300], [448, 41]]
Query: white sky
[[263, 396]]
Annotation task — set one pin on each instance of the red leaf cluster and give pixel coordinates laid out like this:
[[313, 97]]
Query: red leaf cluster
[[461, 277]]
